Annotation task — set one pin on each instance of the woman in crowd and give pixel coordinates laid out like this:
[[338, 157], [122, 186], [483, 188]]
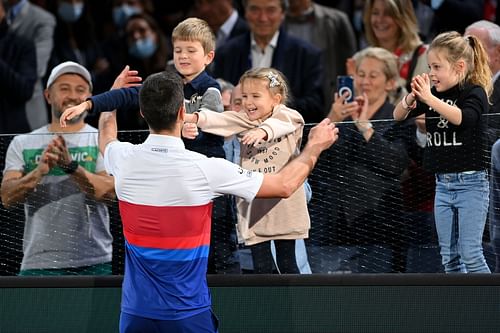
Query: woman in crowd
[[392, 25], [367, 163]]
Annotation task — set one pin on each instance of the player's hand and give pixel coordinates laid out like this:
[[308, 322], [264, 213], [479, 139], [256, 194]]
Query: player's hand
[[254, 137], [323, 135]]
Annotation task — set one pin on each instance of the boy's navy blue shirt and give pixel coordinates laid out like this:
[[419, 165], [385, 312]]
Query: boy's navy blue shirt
[[128, 98]]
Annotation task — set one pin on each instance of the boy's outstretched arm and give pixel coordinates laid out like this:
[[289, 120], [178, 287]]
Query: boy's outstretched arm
[[124, 93]]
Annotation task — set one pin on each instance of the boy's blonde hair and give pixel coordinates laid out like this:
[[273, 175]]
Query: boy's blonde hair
[[196, 30], [470, 50], [277, 83]]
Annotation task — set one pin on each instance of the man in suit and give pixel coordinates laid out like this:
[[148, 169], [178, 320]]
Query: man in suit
[[222, 17], [266, 45], [329, 30], [18, 77], [489, 35], [36, 24]]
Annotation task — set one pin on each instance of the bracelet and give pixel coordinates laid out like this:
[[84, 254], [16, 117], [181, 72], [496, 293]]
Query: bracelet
[[405, 104], [365, 128]]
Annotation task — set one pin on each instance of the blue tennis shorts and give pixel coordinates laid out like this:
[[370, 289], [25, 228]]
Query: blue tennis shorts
[[205, 322]]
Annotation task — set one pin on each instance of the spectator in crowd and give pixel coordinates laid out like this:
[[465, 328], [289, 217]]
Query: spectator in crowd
[[123, 9], [18, 77], [75, 39], [114, 40], [34, 23], [165, 287], [222, 17], [456, 141], [59, 175], [266, 45], [366, 208], [454, 15], [489, 34], [392, 25], [329, 30], [147, 46], [271, 136], [170, 13], [147, 51]]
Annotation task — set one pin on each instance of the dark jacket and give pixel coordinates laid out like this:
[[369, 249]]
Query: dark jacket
[[298, 60], [17, 80], [363, 189]]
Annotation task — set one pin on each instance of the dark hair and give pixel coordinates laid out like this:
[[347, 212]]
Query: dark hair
[[159, 59], [160, 100]]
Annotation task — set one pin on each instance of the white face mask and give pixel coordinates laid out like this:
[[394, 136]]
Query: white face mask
[[70, 12]]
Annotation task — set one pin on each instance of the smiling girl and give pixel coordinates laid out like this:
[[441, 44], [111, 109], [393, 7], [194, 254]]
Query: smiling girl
[[453, 107], [270, 136]]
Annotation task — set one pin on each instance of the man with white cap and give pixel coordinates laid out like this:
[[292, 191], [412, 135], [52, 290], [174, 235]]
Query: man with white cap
[[58, 174]]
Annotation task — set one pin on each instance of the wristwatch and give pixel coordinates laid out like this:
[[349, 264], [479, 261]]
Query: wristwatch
[[70, 167], [365, 127]]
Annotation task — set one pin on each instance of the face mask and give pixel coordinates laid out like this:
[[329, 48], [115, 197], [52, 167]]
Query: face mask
[[122, 13], [143, 48], [70, 12]]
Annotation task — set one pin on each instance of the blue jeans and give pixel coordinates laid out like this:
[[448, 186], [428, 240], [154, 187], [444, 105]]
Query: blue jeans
[[495, 203], [460, 209]]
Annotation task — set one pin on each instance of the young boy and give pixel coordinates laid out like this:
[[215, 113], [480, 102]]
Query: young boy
[[194, 43]]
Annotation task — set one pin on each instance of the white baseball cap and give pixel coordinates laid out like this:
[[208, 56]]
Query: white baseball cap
[[67, 68]]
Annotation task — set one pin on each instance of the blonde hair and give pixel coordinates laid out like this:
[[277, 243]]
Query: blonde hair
[[277, 83], [470, 50], [195, 29], [389, 60], [403, 14]]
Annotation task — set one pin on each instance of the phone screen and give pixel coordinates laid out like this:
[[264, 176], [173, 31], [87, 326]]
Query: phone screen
[[345, 84]]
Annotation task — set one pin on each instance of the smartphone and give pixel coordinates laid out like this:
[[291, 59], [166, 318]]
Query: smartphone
[[345, 87]]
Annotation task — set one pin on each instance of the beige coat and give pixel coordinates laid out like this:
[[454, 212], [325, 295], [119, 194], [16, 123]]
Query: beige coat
[[266, 219]]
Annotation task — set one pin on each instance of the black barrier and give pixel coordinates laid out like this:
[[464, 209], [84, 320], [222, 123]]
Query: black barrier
[[271, 303]]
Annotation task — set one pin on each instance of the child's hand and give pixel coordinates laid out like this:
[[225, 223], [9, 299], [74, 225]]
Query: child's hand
[[127, 78], [74, 111], [254, 137], [189, 130], [421, 88]]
